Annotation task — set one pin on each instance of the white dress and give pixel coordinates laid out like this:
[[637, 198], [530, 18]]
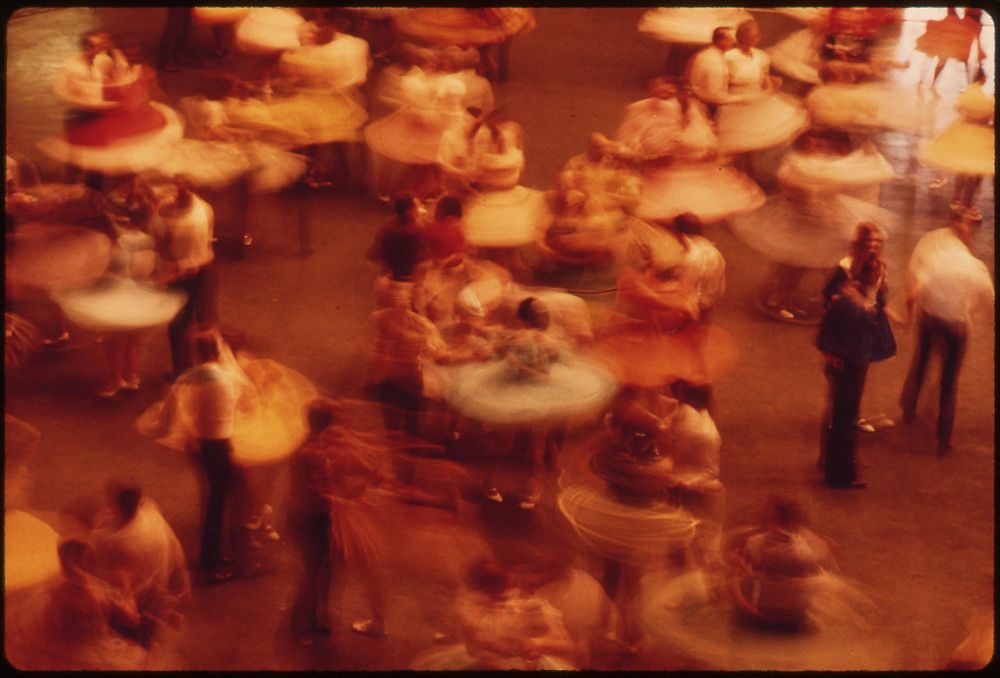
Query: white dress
[[575, 389], [149, 551], [859, 173], [798, 55], [711, 190], [267, 30], [766, 120], [498, 164], [389, 93], [807, 230], [338, 64], [412, 134], [505, 218], [866, 107]]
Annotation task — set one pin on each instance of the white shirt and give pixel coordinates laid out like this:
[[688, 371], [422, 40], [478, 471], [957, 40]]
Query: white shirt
[[189, 234], [694, 440], [747, 71], [207, 398], [947, 281], [703, 269], [708, 75]]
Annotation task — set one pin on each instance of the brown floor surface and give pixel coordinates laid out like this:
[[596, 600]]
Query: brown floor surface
[[919, 539]]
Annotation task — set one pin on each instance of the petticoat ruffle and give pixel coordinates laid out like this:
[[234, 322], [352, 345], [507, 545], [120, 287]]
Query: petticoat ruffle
[[461, 26], [132, 155], [710, 191], [689, 25], [963, 148], [265, 30], [120, 304], [831, 173], [505, 218], [798, 55], [407, 137], [759, 124], [304, 118], [57, 256], [813, 234], [341, 63], [390, 93], [575, 389], [640, 535], [864, 107]]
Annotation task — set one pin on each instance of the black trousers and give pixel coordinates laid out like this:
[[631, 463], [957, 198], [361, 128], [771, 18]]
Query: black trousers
[[215, 459], [401, 400], [201, 307], [175, 35], [309, 533], [952, 338], [846, 388]]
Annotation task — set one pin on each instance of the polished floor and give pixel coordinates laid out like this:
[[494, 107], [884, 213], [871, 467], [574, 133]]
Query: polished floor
[[919, 540]]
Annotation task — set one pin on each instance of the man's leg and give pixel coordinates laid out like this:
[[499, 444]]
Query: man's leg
[[918, 368], [214, 457], [954, 352], [177, 330]]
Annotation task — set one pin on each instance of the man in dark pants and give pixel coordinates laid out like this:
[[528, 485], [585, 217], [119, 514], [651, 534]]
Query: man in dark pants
[[187, 261], [945, 285], [308, 526], [208, 397], [174, 39]]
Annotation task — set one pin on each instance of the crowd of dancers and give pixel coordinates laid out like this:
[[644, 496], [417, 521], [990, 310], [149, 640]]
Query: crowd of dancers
[[486, 385]]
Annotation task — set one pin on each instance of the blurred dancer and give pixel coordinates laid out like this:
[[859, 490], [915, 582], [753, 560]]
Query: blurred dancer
[[952, 38], [946, 285], [966, 147], [780, 565], [501, 628], [208, 398], [331, 522], [69, 623], [403, 338], [530, 353], [138, 550], [624, 508], [766, 118], [185, 246], [308, 527], [708, 73], [398, 247], [595, 193], [702, 269]]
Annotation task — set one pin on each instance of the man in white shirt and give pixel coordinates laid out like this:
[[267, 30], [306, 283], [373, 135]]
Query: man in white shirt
[[208, 396], [708, 73], [185, 246], [946, 284]]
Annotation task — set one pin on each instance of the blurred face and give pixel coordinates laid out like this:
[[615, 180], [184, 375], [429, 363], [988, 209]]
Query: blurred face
[[725, 41], [749, 36], [97, 43], [873, 246]]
